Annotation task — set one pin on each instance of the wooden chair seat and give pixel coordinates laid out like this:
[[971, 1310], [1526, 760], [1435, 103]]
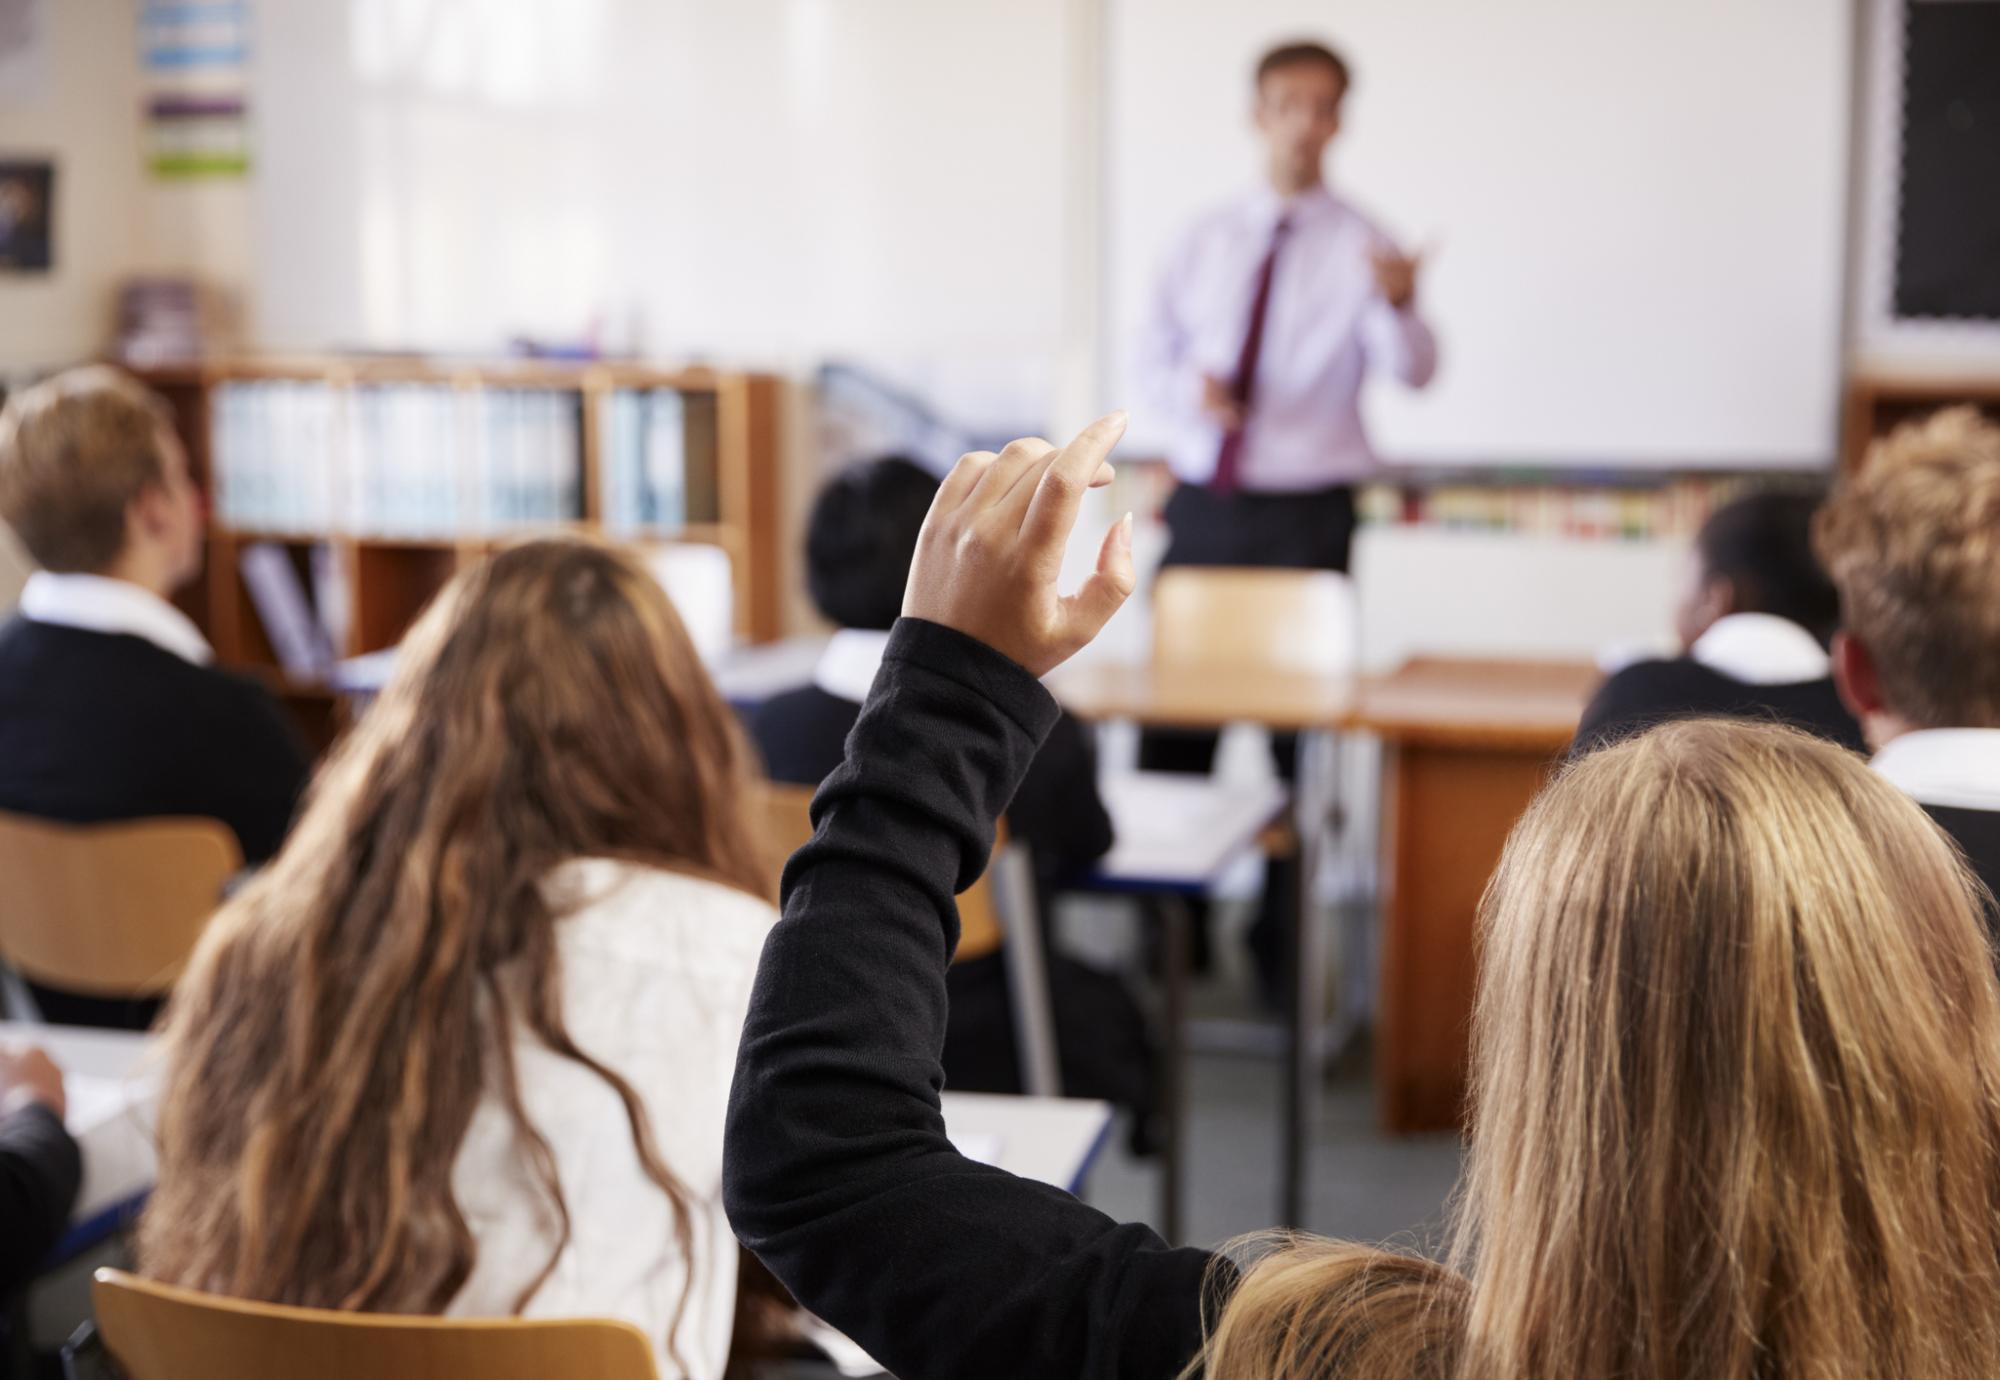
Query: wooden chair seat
[[158, 1332]]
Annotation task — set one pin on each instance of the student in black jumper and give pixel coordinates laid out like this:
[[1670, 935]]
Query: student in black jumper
[[1661, 904], [1913, 543], [110, 708], [859, 541], [1754, 624], [40, 1167]]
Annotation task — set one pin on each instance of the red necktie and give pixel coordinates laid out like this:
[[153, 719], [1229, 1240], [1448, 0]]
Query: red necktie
[[1242, 385]]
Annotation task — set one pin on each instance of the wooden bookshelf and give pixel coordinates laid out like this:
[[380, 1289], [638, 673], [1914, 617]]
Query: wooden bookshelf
[[1878, 401], [733, 434]]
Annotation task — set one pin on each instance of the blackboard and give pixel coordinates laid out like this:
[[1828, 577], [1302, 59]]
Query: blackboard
[[1948, 212]]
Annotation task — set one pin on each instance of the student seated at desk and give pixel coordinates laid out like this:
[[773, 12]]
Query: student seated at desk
[[1913, 541], [40, 1169], [1734, 990], [1755, 622], [110, 708], [464, 1047]]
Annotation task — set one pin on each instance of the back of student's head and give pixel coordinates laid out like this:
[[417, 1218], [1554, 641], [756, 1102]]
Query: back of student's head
[[1761, 544], [861, 538], [1913, 543], [1736, 1088], [332, 1037], [75, 451]]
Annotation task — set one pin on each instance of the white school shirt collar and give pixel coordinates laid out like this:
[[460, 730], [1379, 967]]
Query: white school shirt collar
[[1761, 649], [1953, 767], [100, 604], [848, 665]]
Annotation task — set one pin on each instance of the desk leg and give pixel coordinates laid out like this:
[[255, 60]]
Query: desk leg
[[1174, 928], [1447, 813], [1307, 999]]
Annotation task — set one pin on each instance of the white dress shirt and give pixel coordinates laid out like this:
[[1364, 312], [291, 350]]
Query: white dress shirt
[[847, 667], [656, 973], [1950, 767], [1761, 649], [1326, 326], [98, 603]]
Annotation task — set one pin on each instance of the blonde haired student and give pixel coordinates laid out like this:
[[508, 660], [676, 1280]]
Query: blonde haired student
[[464, 1046], [1736, 1064], [1913, 544]]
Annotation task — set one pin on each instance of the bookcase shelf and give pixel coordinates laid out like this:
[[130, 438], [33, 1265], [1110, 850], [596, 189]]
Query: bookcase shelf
[[1878, 401], [404, 470]]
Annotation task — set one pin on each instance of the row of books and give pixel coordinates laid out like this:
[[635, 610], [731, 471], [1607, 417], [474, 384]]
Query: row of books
[[645, 459], [1672, 510], [432, 460]]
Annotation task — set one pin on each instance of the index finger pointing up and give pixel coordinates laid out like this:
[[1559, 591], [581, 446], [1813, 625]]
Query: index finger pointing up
[[1059, 493]]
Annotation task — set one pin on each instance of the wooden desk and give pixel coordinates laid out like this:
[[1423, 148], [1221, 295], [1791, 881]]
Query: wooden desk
[[1466, 745]]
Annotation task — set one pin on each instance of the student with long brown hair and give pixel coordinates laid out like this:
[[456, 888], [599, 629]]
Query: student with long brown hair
[[1736, 1062], [464, 1046]]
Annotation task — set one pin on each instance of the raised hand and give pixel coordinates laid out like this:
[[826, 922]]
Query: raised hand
[[992, 549], [1396, 276]]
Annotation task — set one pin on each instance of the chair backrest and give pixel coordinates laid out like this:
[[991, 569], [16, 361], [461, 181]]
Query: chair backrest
[[788, 825], [1299, 621], [110, 910], [157, 1332]]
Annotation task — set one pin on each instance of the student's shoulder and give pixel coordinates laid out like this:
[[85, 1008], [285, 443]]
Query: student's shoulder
[[647, 914]]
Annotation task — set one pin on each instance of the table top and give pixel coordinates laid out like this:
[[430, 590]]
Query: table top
[[1053, 1140], [113, 1097], [1439, 701], [1202, 696], [1177, 831], [1453, 702]]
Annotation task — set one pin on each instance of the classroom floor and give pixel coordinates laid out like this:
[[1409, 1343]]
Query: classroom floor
[[1364, 1186]]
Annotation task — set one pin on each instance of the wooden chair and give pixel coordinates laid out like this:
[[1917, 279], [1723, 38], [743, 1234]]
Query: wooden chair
[[157, 1332], [787, 816], [110, 910], [1255, 621]]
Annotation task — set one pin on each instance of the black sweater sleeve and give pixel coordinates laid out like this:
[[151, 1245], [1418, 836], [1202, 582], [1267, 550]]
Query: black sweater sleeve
[[40, 1169], [837, 1172]]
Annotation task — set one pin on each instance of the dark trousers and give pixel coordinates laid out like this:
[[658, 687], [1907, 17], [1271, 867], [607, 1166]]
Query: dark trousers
[[1293, 531]]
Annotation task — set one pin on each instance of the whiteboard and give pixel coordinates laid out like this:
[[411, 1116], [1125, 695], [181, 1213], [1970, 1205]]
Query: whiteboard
[[1638, 208]]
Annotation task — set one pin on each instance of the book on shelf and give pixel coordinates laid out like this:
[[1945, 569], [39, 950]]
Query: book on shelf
[[1671, 509], [647, 475], [396, 460], [303, 644]]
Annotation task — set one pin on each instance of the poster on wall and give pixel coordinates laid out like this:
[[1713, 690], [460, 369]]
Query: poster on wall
[[27, 215], [24, 52], [196, 59]]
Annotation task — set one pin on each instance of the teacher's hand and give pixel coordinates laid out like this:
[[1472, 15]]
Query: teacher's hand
[[992, 549], [1220, 403], [1396, 276]]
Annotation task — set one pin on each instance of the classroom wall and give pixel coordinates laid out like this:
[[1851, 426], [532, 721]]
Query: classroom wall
[[771, 181], [85, 117]]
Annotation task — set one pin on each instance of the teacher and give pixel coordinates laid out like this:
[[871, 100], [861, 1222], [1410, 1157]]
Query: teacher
[[1270, 315]]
